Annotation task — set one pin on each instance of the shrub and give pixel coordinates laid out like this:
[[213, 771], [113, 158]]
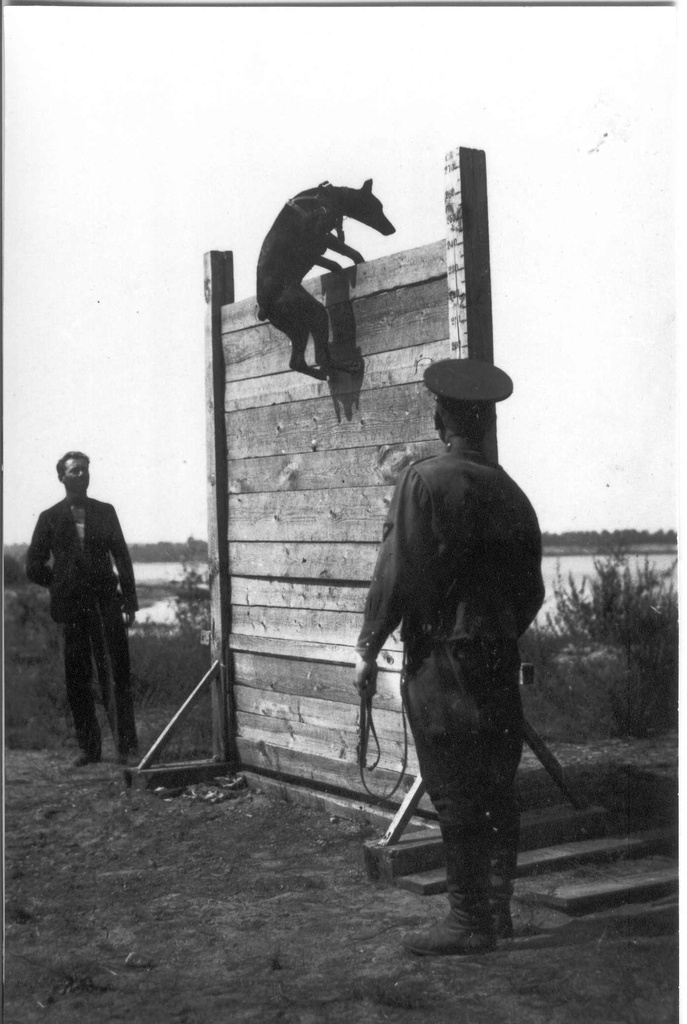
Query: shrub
[[36, 710], [569, 700], [166, 663], [13, 571], [612, 645], [192, 594]]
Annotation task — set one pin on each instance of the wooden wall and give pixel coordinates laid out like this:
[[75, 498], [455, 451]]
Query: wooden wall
[[310, 469]]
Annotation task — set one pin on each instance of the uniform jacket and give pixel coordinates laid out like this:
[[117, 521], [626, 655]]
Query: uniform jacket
[[460, 558], [77, 576]]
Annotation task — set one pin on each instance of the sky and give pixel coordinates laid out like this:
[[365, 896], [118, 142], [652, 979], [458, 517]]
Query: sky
[[137, 139]]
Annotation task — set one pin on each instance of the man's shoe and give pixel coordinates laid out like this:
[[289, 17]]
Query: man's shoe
[[83, 759], [449, 938]]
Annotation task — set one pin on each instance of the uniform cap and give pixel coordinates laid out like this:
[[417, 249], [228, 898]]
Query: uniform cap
[[468, 380]]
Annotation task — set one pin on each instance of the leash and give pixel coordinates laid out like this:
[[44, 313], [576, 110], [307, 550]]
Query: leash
[[367, 727]]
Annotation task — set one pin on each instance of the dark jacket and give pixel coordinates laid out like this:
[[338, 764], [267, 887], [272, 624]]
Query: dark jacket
[[79, 576], [460, 558]]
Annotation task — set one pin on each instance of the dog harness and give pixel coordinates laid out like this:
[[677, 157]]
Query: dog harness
[[321, 207]]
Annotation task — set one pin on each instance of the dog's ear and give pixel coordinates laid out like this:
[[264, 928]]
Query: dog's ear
[[367, 187]]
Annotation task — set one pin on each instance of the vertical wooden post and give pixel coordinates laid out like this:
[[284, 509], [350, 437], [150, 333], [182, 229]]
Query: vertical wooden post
[[467, 261], [219, 290]]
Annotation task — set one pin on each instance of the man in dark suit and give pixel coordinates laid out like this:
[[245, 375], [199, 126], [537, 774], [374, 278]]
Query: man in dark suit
[[460, 567], [71, 552]]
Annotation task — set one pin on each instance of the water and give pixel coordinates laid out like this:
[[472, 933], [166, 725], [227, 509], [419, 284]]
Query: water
[[162, 574], [579, 566]]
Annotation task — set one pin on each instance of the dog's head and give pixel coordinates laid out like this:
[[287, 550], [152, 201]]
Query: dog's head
[[363, 205]]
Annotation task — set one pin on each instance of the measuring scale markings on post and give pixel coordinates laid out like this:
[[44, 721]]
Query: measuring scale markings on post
[[455, 258]]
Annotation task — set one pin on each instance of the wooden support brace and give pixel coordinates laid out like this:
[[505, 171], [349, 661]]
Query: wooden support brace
[[404, 813], [166, 734], [468, 270], [219, 291]]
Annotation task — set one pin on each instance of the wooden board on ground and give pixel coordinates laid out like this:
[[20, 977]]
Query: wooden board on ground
[[561, 824], [429, 883], [604, 892]]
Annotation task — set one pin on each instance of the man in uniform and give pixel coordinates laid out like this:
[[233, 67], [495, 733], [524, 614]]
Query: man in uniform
[[460, 568], [71, 552]]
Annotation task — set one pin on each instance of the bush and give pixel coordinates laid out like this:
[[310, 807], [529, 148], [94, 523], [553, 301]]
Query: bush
[[192, 595], [608, 655], [13, 571], [36, 710], [166, 663]]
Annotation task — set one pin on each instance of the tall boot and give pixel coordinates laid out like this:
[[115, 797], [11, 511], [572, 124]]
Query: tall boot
[[468, 928]]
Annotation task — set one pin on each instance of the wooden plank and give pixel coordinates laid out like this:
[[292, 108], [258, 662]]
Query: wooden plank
[[284, 594], [323, 627], [473, 180], [604, 892], [477, 271], [384, 323], [342, 776], [297, 709], [455, 257], [333, 742], [308, 471], [166, 734], [430, 883], [411, 855], [383, 369], [590, 850], [219, 290], [389, 272], [309, 650], [326, 680], [404, 813], [343, 514], [316, 561], [384, 416], [177, 775]]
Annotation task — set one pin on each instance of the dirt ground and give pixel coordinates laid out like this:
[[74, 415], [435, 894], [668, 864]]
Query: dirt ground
[[122, 906]]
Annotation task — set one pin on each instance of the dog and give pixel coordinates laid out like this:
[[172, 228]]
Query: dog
[[295, 243]]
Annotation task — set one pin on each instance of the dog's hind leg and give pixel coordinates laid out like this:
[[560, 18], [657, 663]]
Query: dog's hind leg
[[298, 315]]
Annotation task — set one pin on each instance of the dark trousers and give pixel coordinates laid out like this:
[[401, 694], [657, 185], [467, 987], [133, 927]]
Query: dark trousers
[[464, 709], [99, 637]]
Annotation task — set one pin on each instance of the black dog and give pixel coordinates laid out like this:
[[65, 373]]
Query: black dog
[[295, 243]]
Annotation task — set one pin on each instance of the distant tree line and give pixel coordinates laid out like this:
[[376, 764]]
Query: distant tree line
[[593, 541], [191, 550], [610, 540]]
